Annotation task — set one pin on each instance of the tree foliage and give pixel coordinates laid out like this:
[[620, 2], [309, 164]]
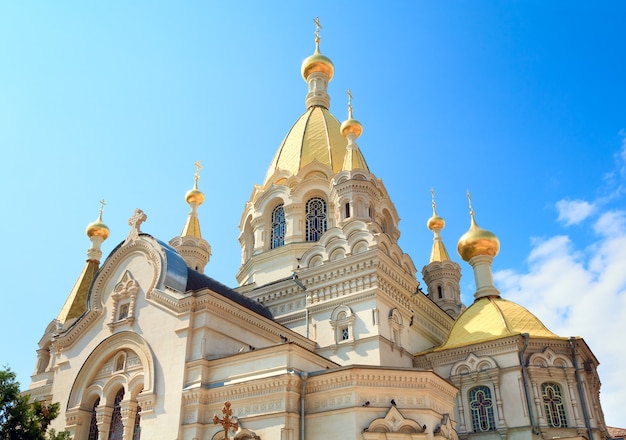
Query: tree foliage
[[21, 419]]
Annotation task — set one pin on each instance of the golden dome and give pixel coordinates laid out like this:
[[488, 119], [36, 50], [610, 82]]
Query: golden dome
[[436, 223], [315, 136], [194, 196], [317, 63], [490, 318], [351, 126], [477, 241], [98, 229]]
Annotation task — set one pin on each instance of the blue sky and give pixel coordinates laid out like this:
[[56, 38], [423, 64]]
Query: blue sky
[[521, 102]]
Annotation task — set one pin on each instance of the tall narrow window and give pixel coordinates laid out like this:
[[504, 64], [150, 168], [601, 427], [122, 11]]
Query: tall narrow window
[[347, 210], [93, 425], [481, 405], [137, 428], [116, 432], [278, 226], [316, 220], [439, 293], [553, 404]]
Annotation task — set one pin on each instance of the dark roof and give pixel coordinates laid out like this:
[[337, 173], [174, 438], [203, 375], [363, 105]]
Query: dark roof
[[198, 281]]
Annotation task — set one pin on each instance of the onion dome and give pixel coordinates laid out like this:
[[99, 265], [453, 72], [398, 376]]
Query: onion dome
[[477, 241], [194, 196], [436, 224], [351, 125], [98, 228], [317, 62]]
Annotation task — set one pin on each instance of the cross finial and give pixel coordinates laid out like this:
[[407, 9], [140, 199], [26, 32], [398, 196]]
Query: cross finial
[[349, 104], [318, 26], [469, 199], [198, 168], [101, 207], [432, 194]]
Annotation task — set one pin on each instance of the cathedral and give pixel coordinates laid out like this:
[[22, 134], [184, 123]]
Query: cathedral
[[328, 334]]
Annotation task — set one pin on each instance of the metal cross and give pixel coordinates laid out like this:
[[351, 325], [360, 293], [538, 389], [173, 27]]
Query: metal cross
[[228, 421], [318, 26], [349, 104], [198, 168]]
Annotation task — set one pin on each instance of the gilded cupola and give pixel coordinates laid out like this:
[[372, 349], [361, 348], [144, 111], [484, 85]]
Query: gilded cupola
[[477, 241]]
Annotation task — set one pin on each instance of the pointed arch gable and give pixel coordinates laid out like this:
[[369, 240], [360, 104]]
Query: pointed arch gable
[[83, 386]]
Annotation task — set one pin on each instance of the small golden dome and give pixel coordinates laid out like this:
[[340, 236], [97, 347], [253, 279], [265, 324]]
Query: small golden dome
[[477, 241], [351, 126], [317, 63], [194, 196], [98, 229], [436, 223]]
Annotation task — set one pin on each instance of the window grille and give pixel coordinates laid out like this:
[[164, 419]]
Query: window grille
[[93, 425], [117, 426], [481, 405], [553, 404], [316, 219], [278, 226]]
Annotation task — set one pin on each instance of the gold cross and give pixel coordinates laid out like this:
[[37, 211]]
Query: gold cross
[[469, 199], [198, 168], [349, 104], [432, 193], [318, 26], [101, 206]]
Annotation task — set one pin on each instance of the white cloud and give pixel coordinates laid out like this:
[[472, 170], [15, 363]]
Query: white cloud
[[581, 292], [572, 212]]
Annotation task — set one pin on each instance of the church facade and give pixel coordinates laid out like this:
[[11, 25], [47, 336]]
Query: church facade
[[328, 333]]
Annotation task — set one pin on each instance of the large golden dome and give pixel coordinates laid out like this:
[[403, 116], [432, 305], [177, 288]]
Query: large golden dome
[[493, 318], [316, 135]]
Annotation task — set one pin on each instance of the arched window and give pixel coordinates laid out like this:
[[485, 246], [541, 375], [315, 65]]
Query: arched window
[[278, 226], [93, 424], [439, 293], [553, 403], [347, 210], [116, 432], [481, 405], [316, 220]]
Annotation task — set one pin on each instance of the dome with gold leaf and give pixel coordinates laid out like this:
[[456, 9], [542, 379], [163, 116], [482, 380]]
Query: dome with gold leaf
[[194, 196], [490, 318], [317, 63], [477, 241], [98, 229]]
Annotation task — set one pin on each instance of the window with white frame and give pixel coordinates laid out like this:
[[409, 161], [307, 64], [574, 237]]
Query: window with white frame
[[342, 322]]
